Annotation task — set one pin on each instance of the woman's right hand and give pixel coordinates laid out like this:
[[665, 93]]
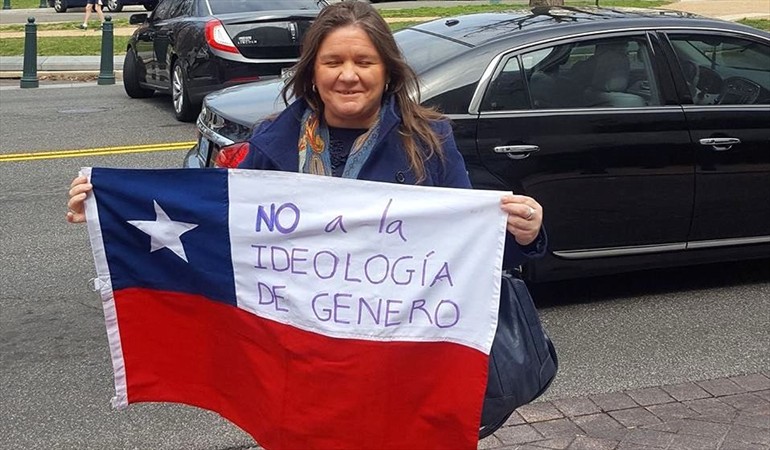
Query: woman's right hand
[[79, 189]]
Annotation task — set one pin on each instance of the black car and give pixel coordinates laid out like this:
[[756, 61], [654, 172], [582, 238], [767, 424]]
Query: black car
[[644, 135], [113, 5], [189, 48]]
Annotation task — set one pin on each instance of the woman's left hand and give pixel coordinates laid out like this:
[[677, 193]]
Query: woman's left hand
[[525, 216]]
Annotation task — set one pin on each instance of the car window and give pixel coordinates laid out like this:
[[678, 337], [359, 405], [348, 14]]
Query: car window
[[613, 73], [182, 8], [236, 6], [163, 10], [507, 90], [423, 51], [723, 69]]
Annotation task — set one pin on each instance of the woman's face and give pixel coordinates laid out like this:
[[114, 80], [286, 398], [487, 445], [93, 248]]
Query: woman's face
[[349, 78]]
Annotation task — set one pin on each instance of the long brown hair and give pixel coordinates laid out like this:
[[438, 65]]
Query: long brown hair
[[415, 129]]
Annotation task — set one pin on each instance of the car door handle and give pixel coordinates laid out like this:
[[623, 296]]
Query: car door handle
[[720, 144], [517, 151]]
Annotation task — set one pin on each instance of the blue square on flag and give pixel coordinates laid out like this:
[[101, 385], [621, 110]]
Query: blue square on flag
[[143, 199]]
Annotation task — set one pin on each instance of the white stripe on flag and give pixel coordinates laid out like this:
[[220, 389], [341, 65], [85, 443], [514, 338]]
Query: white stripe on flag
[[365, 260]]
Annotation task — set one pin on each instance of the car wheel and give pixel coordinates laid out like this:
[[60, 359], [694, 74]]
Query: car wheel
[[150, 6], [60, 6], [183, 107], [131, 77], [115, 5]]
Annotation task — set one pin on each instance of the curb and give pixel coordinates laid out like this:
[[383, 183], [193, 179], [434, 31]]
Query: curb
[[73, 75], [13, 66]]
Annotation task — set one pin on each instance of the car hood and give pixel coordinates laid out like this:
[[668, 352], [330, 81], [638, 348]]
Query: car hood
[[264, 98]]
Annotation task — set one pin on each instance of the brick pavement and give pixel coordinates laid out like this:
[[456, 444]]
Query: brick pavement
[[727, 413]]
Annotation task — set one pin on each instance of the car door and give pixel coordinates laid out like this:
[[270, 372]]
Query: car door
[[144, 50], [588, 129], [150, 43], [726, 79], [163, 38]]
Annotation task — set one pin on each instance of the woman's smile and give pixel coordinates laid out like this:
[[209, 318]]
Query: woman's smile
[[350, 78]]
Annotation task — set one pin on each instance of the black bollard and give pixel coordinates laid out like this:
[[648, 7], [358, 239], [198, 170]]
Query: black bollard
[[106, 70], [29, 77], [6, 4]]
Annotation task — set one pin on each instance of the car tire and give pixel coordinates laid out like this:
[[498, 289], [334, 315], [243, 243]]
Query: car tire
[[131, 77], [60, 6], [115, 5], [150, 6], [184, 110]]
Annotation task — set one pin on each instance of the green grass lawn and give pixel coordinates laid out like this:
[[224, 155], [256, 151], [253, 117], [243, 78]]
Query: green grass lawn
[[762, 24], [91, 45], [66, 46], [443, 11], [25, 4], [64, 25]]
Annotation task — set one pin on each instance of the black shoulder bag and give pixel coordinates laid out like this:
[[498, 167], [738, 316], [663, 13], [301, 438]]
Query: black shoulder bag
[[522, 361]]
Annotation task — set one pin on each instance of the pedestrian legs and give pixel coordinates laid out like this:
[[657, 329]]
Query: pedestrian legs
[[98, 7]]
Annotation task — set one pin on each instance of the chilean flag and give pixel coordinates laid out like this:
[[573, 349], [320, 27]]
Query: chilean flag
[[312, 312]]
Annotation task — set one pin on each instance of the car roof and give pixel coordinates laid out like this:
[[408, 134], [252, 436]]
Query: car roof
[[537, 23]]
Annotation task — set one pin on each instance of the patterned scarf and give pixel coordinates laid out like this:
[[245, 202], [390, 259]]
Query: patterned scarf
[[314, 147]]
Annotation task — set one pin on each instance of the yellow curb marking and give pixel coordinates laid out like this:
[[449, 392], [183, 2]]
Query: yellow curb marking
[[29, 156]]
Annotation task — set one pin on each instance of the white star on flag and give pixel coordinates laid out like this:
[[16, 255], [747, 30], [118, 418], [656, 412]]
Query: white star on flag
[[164, 232]]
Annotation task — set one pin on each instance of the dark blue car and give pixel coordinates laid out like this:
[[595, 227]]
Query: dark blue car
[[113, 5]]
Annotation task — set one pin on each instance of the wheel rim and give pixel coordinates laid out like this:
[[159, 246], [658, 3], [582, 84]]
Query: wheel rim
[[177, 89], [57, 4]]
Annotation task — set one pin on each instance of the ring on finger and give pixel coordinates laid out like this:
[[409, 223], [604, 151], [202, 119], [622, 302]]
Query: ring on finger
[[531, 213]]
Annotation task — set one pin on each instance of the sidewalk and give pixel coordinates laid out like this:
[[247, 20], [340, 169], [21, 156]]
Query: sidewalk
[[724, 9], [722, 414]]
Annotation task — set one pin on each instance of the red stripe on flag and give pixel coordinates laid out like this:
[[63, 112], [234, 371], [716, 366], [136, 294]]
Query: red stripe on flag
[[293, 389]]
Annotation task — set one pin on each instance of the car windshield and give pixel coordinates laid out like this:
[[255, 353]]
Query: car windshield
[[423, 51], [236, 6]]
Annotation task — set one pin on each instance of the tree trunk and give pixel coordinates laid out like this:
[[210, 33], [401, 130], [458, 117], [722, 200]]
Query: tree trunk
[[534, 3]]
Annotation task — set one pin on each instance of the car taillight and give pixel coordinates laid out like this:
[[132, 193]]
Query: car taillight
[[243, 79], [229, 157], [217, 37]]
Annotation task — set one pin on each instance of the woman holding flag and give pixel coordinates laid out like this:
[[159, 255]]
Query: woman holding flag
[[353, 117]]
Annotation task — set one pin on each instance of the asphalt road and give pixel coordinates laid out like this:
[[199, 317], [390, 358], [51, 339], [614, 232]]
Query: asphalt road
[[612, 333]]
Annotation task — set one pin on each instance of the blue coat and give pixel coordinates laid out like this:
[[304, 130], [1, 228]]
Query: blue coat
[[273, 146]]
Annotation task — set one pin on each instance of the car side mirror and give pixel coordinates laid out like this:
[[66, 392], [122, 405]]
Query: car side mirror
[[136, 19]]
